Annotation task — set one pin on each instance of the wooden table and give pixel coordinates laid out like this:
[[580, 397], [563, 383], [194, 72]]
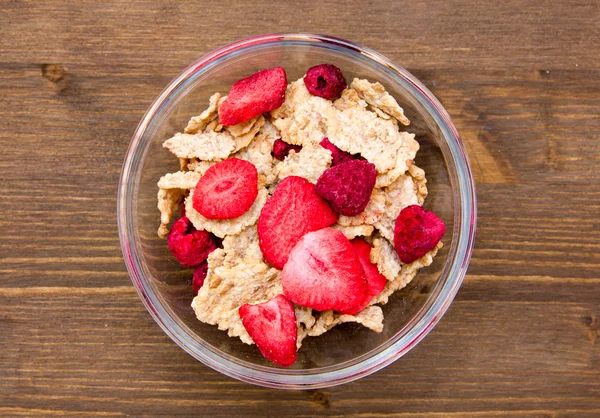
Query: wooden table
[[521, 80]]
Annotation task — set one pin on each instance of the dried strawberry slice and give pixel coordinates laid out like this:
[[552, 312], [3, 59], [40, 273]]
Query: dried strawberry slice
[[272, 326], [251, 96], [226, 190], [323, 272], [293, 210]]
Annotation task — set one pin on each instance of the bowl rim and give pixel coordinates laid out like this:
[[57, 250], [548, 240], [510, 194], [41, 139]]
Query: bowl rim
[[294, 378]]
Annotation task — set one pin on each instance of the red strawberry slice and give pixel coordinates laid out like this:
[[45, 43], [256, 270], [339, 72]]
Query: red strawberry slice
[[272, 326], [226, 190], [375, 280], [417, 232], [251, 96], [323, 273], [293, 210]]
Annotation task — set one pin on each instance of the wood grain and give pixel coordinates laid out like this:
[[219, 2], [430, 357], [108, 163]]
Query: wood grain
[[521, 80]]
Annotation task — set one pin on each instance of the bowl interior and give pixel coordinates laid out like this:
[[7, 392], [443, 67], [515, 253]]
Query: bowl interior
[[169, 283]]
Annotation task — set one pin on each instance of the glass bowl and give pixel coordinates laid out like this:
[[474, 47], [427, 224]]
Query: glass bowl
[[348, 351]]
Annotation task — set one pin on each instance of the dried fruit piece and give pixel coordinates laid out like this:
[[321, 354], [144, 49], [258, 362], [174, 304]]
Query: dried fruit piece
[[293, 210], [227, 189], [348, 186], [251, 96], [375, 280], [337, 155], [416, 233], [199, 276], [323, 272], [188, 245], [282, 149], [325, 80], [272, 326]]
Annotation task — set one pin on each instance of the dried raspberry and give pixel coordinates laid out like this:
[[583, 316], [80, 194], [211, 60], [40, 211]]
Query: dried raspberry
[[188, 245], [199, 276], [416, 233], [325, 80], [338, 156], [347, 186], [282, 149]]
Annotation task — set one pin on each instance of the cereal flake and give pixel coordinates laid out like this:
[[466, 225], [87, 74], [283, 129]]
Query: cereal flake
[[384, 256], [375, 95], [370, 317], [407, 273], [244, 133], [169, 201], [179, 180], [198, 123], [352, 232], [208, 146], [372, 213], [223, 227], [398, 195], [310, 163], [300, 118], [222, 294]]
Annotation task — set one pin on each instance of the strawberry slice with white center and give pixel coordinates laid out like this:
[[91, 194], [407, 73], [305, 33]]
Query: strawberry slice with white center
[[323, 273], [272, 326]]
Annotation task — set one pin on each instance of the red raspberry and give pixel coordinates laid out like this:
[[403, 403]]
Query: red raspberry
[[338, 156], [199, 276], [251, 96], [347, 186], [325, 80], [416, 233], [188, 245], [281, 149]]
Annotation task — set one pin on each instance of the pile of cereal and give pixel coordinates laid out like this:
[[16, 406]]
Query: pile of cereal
[[300, 207]]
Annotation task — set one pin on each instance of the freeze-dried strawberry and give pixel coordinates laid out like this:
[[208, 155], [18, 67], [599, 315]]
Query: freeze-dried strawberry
[[416, 233], [293, 210], [251, 96], [323, 272], [226, 190], [188, 245], [337, 155], [325, 80], [281, 149], [199, 276], [272, 326], [375, 280], [348, 186]]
